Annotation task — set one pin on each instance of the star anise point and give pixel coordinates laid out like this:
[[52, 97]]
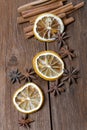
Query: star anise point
[[57, 88], [29, 76], [15, 76], [60, 38], [25, 122], [71, 75], [67, 52]]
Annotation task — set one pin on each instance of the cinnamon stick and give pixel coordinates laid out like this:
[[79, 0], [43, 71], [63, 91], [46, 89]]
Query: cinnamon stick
[[61, 15], [20, 20], [32, 19], [37, 3], [28, 29], [63, 9], [44, 5], [58, 11], [41, 9], [68, 21], [29, 35], [76, 7], [27, 6]]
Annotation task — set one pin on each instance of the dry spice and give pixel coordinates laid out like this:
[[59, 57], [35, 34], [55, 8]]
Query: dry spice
[[15, 76], [29, 75], [67, 52], [25, 121], [60, 38], [71, 75], [57, 88]]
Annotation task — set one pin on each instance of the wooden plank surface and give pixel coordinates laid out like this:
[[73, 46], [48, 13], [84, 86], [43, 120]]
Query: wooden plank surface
[[68, 111], [16, 52]]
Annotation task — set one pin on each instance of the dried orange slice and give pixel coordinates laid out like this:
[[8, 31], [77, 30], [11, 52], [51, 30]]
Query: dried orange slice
[[28, 98], [48, 65], [46, 27]]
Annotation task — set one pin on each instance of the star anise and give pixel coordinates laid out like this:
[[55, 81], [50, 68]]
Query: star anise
[[25, 122], [29, 75], [57, 88], [67, 52], [15, 76], [71, 75], [60, 38]]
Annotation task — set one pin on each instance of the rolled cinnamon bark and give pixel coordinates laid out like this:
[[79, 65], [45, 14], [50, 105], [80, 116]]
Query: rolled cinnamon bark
[[28, 29], [60, 10], [29, 35], [63, 9], [36, 4], [27, 6], [20, 20], [62, 15], [76, 7], [34, 12], [68, 21]]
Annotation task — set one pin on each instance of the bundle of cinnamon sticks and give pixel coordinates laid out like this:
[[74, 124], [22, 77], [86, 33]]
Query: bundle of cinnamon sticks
[[29, 12]]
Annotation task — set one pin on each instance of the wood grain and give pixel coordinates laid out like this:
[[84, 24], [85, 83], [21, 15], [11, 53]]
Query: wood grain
[[69, 110], [65, 112], [16, 52]]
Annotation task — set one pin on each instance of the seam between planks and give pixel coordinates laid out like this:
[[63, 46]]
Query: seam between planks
[[51, 124]]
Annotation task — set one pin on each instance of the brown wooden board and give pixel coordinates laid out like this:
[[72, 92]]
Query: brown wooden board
[[16, 52], [70, 108], [65, 112]]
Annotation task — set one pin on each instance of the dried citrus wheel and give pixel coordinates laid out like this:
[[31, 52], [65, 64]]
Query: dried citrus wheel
[[48, 65], [46, 27], [28, 98]]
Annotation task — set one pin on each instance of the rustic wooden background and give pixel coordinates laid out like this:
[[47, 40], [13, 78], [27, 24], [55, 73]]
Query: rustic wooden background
[[65, 112]]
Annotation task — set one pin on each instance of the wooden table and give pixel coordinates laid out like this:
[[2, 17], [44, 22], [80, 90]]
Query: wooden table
[[65, 112]]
